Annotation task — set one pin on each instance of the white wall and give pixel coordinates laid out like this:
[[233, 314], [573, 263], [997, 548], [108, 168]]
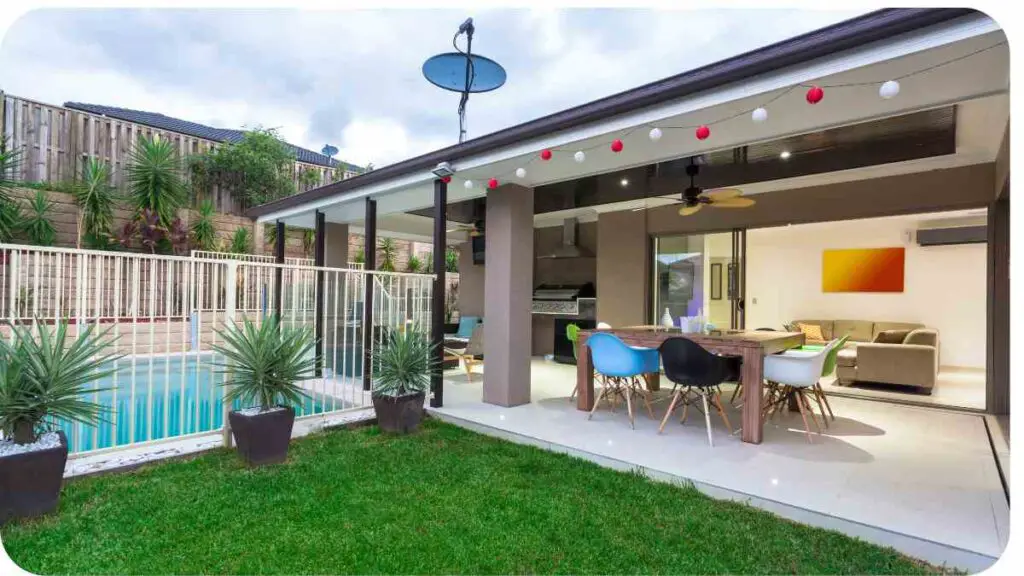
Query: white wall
[[944, 286]]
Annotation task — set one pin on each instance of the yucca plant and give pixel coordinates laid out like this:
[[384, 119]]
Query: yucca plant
[[155, 180], [204, 235], [11, 217], [240, 243], [265, 363], [95, 198], [308, 242], [45, 375], [36, 224], [10, 169], [402, 365], [388, 252], [414, 264]]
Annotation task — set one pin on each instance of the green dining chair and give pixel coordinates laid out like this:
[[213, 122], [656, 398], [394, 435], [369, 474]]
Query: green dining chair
[[572, 334], [826, 370]]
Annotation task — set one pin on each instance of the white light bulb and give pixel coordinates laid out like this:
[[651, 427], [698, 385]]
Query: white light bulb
[[468, 184], [520, 172], [655, 134], [889, 89], [580, 156], [759, 115]]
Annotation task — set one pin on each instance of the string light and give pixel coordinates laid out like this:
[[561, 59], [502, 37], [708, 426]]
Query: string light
[[815, 93]]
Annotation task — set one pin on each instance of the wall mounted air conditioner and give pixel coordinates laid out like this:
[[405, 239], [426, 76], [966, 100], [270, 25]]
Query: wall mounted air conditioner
[[951, 236]]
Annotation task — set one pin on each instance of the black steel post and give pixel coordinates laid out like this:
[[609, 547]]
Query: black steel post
[[369, 264], [279, 272], [440, 282], [319, 311]]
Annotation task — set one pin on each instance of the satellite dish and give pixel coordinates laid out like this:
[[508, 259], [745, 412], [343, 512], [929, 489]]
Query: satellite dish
[[329, 150], [464, 72]]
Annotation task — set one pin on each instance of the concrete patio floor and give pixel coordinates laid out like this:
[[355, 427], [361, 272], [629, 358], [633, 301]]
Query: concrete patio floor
[[921, 480]]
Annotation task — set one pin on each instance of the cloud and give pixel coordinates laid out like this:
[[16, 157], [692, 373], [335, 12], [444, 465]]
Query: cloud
[[352, 78]]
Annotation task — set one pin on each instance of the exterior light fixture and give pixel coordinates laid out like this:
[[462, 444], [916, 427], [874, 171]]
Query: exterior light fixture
[[443, 170], [785, 155], [624, 182]]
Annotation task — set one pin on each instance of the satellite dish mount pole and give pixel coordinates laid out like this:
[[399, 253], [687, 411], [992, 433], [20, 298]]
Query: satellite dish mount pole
[[466, 28]]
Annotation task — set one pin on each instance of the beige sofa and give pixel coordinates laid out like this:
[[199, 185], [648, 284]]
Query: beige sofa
[[883, 352]]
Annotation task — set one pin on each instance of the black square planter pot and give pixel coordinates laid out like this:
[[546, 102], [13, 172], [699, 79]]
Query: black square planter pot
[[399, 415], [262, 438], [30, 482]]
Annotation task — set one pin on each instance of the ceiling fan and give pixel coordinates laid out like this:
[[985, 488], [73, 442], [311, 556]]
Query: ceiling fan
[[694, 198], [472, 229]]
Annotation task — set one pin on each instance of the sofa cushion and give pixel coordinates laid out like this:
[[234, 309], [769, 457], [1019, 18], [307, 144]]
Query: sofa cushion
[[923, 336], [891, 336], [811, 331], [847, 357], [826, 327], [885, 326], [858, 330]]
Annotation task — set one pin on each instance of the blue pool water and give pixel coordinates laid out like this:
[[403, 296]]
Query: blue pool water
[[183, 396]]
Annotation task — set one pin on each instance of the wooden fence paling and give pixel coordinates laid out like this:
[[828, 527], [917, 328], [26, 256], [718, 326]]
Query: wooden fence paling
[[58, 140]]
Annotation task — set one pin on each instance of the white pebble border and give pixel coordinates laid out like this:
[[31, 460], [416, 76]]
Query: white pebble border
[[46, 440], [90, 464]]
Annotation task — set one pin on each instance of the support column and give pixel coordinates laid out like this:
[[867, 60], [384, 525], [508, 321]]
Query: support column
[[369, 263], [279, 272], [508, 293], [437, 301], [320, 236], [997, 397]]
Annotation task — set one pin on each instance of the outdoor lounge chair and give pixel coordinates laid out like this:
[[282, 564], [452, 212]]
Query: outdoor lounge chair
[[472, 354]]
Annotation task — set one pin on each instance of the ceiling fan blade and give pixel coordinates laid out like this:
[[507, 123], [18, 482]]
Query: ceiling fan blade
[[688, 210], [723, 193], [734, 203]]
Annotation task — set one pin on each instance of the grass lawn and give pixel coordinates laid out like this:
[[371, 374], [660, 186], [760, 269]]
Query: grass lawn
[[445, 500]]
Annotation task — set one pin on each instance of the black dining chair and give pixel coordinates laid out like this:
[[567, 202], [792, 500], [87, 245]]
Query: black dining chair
[[696, 372]]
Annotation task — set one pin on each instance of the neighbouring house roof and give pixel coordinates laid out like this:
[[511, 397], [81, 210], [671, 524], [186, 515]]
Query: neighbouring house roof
[[846, 35], [163, 122]]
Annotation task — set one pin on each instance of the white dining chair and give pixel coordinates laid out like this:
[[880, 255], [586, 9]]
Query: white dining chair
[[795, 372]]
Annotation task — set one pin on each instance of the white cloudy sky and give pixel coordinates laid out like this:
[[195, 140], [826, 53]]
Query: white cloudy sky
[[352, 78]]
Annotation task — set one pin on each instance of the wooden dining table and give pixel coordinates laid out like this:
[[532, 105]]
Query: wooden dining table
[[751, 346]]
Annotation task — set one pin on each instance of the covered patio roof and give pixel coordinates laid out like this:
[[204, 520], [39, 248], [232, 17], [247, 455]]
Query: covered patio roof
[[881, 45]]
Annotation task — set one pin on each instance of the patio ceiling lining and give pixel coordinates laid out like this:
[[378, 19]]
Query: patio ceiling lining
[[885, 59]]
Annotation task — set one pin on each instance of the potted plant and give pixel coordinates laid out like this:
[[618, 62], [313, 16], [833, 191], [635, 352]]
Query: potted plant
[[264, 365], [401, 369], [44, 378]]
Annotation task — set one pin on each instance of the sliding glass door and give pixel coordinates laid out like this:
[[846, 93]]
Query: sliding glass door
[[699, 275]]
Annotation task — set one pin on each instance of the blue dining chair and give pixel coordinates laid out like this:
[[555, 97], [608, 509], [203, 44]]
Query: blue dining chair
[[622, 365]]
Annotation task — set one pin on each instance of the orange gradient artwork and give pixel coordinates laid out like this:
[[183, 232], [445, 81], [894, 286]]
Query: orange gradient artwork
[[863, 270]]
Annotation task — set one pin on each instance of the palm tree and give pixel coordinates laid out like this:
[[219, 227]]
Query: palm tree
[[204, 235], [155, 179], [95, 198]]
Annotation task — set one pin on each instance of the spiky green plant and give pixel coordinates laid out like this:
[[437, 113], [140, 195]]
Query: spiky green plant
[[451, 260], [388, 252], [95, 198], [155, 179], [11, 217], [204, 235], [10, 169], [240, 242], [402, 365], [308, 242], [414, 264], [45, 376], [36, 224], [270, 234], [265, 363]]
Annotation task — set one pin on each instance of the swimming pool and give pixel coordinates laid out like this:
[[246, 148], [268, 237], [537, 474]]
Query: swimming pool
[[162, 397]]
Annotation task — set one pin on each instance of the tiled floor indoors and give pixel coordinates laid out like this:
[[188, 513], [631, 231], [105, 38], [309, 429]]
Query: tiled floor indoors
[[919, 479]]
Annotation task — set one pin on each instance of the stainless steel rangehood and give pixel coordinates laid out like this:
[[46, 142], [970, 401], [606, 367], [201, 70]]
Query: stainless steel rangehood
[[568, 248]]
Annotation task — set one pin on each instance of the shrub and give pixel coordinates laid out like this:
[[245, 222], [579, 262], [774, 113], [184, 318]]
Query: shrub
[[388, 251], [45, 376], [264, 363], [414, 265], [36, 225], [240, 241], [95, 198], [403, 364], [204, 235], [155, 178], [257, 169]]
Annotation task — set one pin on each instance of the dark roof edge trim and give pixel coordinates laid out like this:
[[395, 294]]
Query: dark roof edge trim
[[845, 35]]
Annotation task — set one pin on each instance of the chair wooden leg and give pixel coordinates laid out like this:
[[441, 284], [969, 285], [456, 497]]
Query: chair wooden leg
[[467, 365], [629, 408], [735, 392], [597, 401], [707, 417], [802, 397], [824, 398], [817, 398], [717, 398], [686, 406], [671, 407], [807, 427], [646, 395]]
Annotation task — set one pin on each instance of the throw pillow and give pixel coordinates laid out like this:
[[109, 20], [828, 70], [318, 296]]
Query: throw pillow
[[891, 336], [811, 331]]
